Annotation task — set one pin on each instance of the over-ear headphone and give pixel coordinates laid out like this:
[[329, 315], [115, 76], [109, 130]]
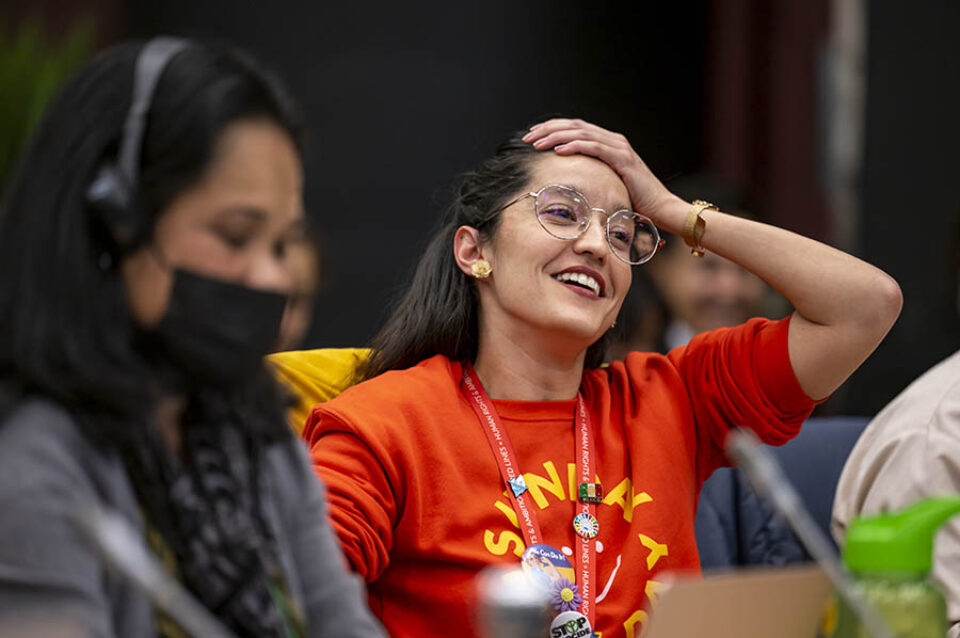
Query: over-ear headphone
[[112, 193]]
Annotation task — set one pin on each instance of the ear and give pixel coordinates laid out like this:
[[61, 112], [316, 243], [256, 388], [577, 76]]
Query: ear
[[467, 248]]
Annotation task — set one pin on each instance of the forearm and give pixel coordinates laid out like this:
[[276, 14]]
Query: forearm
[[844, 305], [825, 285]]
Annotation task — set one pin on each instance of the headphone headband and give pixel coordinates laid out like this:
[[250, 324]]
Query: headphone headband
[[113, 190], [151, 62]]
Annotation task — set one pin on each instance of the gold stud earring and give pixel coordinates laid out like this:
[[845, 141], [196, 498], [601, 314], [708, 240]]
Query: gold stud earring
[[481, 269]]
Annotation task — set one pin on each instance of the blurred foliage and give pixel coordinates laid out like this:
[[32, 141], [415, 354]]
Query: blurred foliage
[[32, 67]]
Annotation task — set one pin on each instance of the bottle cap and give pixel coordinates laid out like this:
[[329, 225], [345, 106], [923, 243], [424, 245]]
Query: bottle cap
[[898, 541]]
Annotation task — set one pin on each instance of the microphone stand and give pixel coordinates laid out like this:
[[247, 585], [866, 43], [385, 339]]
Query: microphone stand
[[768, 480], [117, 542]]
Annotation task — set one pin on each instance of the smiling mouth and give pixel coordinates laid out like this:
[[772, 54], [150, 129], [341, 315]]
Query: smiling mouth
[[579, 279]]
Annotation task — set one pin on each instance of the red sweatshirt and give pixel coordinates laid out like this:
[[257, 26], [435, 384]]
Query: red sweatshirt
[[417, 500]]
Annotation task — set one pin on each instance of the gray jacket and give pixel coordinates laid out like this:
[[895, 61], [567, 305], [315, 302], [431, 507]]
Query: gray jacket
[[49, 574]]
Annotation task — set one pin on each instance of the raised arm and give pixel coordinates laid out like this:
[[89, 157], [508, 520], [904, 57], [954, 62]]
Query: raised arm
[[844, 306]]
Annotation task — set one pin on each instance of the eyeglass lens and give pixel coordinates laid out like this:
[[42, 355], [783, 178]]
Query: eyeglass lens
[[565, 214]]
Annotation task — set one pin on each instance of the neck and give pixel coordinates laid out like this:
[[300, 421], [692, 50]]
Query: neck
[[522, 369]]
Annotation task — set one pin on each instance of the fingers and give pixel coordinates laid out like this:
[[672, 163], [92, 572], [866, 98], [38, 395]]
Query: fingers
[[567, 137], [557, 124], [617, 158], [564, 136], [571, 136], [557, 131]]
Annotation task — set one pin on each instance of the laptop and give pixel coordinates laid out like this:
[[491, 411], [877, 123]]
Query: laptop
[[748, 603]]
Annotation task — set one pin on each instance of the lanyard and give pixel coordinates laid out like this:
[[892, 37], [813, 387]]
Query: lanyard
[[516, 489]]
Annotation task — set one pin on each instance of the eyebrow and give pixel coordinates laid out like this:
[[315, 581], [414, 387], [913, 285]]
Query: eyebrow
[[251, 212], [619, 206], [260, 216], [299, 226]]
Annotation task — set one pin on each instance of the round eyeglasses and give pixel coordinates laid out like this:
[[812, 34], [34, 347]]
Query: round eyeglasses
[[564, 213]]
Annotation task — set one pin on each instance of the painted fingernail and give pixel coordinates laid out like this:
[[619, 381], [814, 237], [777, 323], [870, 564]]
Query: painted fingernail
[[540, 143], [528, 137]]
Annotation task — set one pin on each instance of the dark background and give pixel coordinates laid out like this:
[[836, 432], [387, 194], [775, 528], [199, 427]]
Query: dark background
[[402, 97], [911, 188]]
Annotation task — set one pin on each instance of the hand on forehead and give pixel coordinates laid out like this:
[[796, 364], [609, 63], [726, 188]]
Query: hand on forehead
[[602, 187]]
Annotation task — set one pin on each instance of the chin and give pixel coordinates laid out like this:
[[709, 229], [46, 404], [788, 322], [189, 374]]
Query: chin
[[582, 334]]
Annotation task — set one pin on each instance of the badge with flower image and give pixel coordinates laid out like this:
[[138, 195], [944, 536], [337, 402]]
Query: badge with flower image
[[565, 595]]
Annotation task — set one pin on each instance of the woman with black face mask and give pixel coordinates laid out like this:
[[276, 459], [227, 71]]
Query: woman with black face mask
[[143, 276]]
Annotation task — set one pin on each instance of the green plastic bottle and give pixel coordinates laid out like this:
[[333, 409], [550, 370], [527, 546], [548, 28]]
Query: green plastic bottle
[[890, 558]]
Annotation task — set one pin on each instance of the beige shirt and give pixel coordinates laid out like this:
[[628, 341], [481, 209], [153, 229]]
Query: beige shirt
[[911, 451]]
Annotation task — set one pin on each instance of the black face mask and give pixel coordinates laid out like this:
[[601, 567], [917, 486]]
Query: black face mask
[[216, 333]]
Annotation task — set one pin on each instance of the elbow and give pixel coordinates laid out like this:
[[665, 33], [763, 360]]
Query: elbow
[[892, 299], [887, 303]]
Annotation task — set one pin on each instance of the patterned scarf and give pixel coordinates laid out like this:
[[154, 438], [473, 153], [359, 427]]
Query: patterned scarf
[[206, 508]]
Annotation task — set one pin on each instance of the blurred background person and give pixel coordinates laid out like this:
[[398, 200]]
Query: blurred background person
[[911, 451], [304, 258], [677, 297], [144, 252]]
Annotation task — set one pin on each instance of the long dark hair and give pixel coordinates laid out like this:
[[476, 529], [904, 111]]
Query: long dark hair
[[438, 313], [67, 332]]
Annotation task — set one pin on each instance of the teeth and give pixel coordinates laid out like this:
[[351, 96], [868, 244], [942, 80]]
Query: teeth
[[582, 279]]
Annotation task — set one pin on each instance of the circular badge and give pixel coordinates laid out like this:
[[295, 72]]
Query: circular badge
[[586, 525], [544, 565], [571, 624]]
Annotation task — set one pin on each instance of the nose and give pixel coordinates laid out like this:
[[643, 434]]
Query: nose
[[270, 272], [730, 281], [594, 238]]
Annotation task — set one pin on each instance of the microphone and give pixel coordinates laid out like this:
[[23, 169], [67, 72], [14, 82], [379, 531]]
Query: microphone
[[509, 606], [119, 544], [768, 480]]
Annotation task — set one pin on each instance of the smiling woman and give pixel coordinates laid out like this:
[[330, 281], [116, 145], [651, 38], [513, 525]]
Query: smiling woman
[[487, 431], [571, 290]]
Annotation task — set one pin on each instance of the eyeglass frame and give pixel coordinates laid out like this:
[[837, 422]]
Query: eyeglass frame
[[658, 243]]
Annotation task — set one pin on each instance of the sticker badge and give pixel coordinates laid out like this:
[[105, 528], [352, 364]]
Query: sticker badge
[[545, 565], [518, 485], [591, 493], [570, 624], [586, 525]]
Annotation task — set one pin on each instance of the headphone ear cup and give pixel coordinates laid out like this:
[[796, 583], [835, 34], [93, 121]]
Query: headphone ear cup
[[109, 197]]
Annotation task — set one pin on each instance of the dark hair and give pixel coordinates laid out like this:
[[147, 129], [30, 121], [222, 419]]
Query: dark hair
[[438, 312], [67, 331]]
